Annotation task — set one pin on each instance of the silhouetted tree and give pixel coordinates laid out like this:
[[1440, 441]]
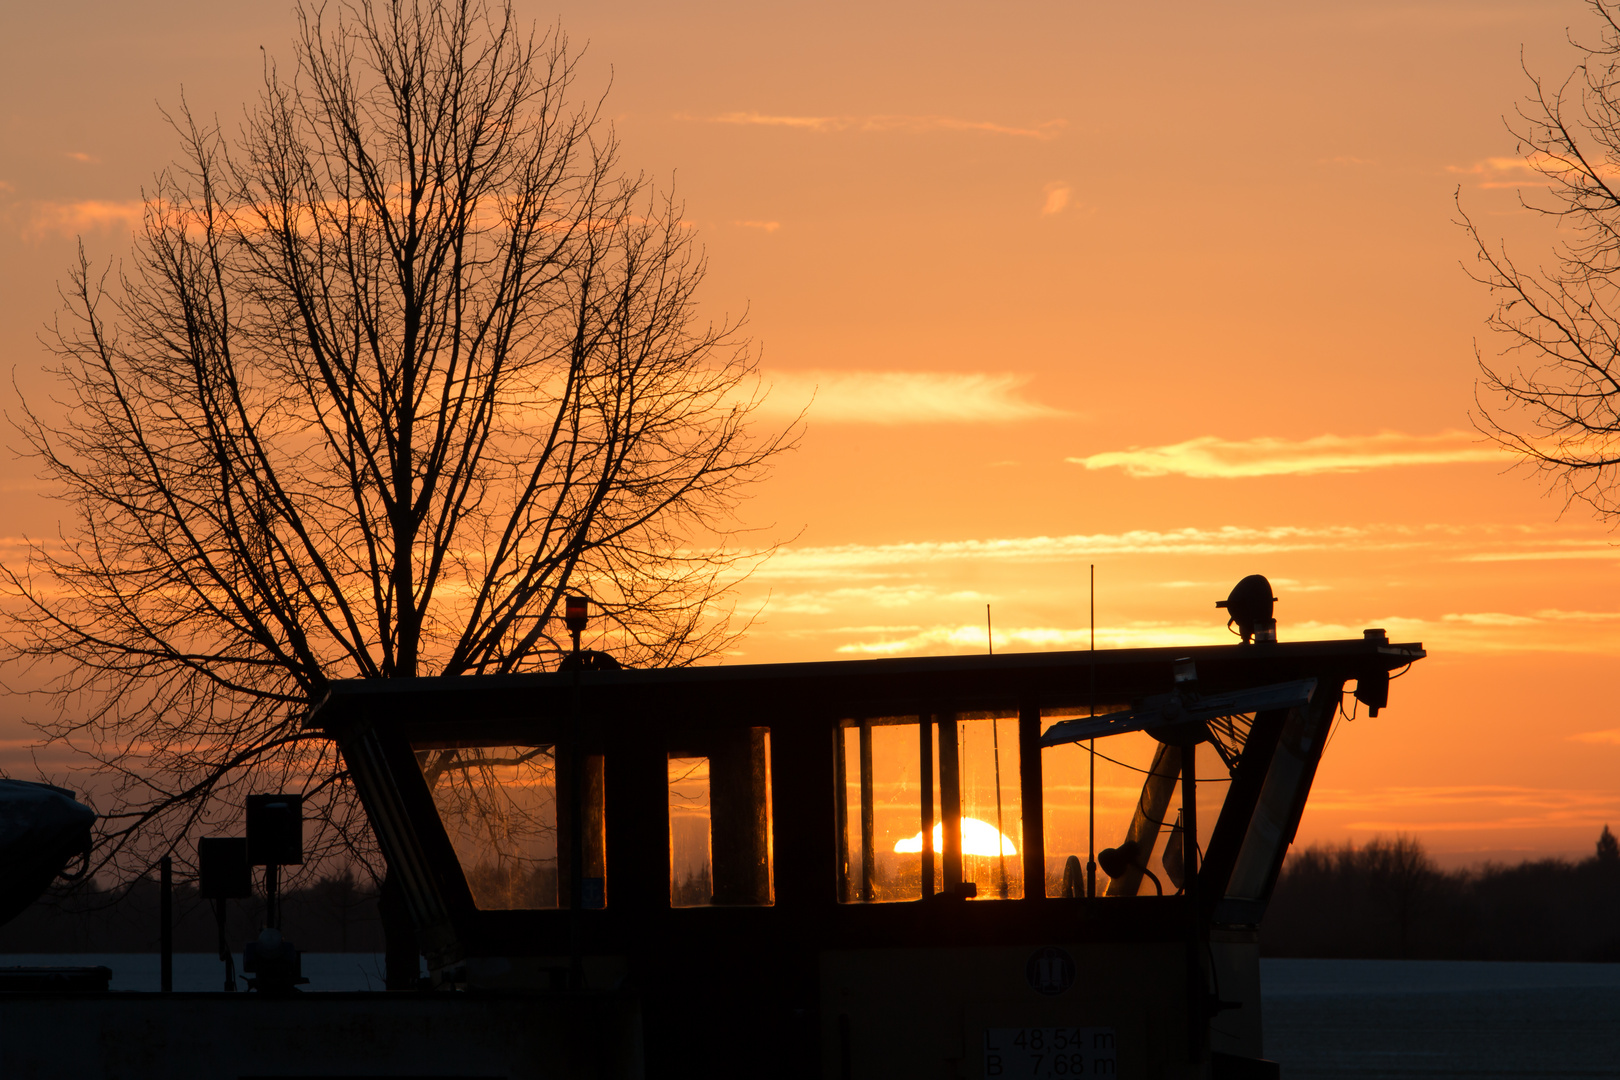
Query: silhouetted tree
[[1403, 879], [392, 368], [1557, 406], [1608, 850], [1387, 899]]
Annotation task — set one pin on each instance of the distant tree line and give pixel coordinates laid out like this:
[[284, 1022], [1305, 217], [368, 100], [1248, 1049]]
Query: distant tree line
[[1385, 899], [1388, 899], [337, 913]]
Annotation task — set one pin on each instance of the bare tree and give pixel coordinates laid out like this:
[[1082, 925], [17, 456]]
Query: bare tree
[[1553, 396], [393, 367]]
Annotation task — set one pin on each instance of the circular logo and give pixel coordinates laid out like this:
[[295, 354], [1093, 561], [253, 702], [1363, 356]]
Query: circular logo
[[1050, 971]]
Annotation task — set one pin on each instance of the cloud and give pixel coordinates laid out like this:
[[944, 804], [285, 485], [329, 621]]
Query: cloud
[[1479, 805], [82, 158], [1576, 549], [1607, 737], [880, 123], [767, 226], [1578, 616], [1211, 457], [1513, 172], [1291, 584], [1490, 618], [827, 601], [1452, 542], [969, 637], [1057, 197], [901, 640], [849, 560], [903, 397], [69, 219]]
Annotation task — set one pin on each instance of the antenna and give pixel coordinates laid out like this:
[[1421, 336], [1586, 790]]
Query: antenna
[[995, 748], [1091, 745]]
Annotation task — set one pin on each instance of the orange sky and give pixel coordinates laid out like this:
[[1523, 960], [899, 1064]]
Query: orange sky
[[1177, 293]]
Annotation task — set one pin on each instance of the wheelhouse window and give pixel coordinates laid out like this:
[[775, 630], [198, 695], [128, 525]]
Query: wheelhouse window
[[501, 809], [720, 845], [1119, 800], [929, 805]]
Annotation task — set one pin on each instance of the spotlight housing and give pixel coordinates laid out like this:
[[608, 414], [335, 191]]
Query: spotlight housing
[[1249, 605]]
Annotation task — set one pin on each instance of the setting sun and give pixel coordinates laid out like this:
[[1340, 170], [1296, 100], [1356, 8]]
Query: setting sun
[[978, 838]]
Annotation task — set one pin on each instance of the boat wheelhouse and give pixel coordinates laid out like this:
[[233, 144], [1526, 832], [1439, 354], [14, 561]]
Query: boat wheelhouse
[[865, 868]]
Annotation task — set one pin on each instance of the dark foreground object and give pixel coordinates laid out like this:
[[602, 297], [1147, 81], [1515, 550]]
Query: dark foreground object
[[53, 979], [1414, 1019], [140, 1036]]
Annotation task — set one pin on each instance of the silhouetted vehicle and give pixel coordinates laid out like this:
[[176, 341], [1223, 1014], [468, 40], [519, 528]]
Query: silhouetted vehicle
[[43, 831]]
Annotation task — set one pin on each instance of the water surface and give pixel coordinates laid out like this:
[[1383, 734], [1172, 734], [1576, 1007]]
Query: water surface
[[1401, 1019], [205, 971]]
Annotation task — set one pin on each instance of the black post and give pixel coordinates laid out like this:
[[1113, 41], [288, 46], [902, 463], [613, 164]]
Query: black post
[[224, 946], [576, 611], [1031, 798], [841, 810], [1091, 747], [576, 834], [950, 806], [402, 964], [166, 917], [1198, 1030], [868, 833], [925, 770], [272, 886]]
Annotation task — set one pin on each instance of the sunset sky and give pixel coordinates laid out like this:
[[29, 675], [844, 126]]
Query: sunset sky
[[1173, 290]]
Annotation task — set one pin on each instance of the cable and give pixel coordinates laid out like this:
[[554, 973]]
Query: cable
[[1150, 772], [1331, 732]]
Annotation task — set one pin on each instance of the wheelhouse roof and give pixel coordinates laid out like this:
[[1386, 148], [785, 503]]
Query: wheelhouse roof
[[1049, 680]]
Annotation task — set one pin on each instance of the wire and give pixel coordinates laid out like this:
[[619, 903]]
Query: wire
[[1332, 731], [1150, 772]]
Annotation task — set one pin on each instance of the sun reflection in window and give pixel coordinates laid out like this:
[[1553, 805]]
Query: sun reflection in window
[[978, 838]]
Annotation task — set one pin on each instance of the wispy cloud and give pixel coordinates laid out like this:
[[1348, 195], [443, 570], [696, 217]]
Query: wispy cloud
[[903, 397], [904, 640], [1211, 457], [764, 226], [881, 123], [1489, 618], [1449, 542], [1569, 549], [1057, 197], [69, 219], [1607, 737], [1497, 618], [1578, 616], [1511, 172], [856, 559], [1291, 584], [1449, 636], [82, 158], [1470, 807], [867, 597]]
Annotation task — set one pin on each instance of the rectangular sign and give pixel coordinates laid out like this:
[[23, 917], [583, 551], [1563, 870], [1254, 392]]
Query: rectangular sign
[[1048, 1053]]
